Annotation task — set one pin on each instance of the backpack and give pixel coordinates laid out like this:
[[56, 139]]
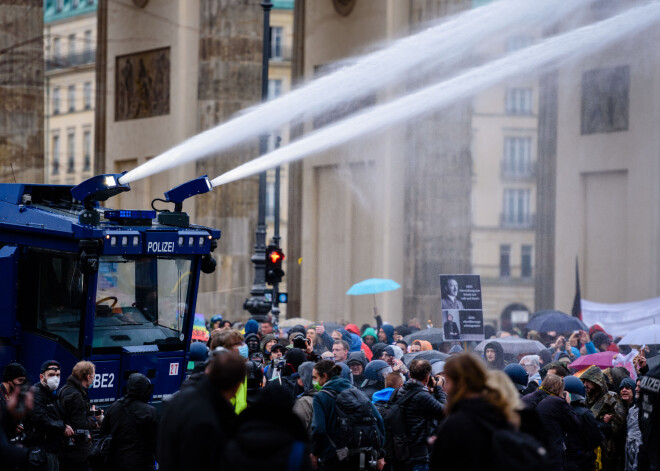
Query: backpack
[[396, 443], [356, 426], [513, 450]]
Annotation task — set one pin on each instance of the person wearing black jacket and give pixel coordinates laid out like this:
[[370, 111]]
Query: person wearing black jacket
[[552, 404], [44, 426], [198, 421], [649, 420], [133, 424], [13, 377], [269, 436], [474, 410], [76, 413], [419, 409], [582, 443]]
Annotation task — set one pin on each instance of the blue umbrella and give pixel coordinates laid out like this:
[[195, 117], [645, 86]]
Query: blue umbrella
[[373, 286], [555, 321]]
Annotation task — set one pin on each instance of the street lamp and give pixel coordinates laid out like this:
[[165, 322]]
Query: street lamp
[[258, 305]]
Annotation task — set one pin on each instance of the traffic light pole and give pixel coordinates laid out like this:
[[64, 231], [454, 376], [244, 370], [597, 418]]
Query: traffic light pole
[[276, 241], [258, 305]]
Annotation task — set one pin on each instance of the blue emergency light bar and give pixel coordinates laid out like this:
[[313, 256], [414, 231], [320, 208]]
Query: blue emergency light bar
[[114, 214], [99, 188], [194, 187]]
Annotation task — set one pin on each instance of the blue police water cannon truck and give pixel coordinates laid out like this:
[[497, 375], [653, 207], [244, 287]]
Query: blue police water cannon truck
[[115, 287]]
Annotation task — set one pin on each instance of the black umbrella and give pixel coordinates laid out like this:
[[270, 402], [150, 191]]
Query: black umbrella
[[433, 335], [429, 355], [555, 321], [514, 346], [651, 362], [331, 326]]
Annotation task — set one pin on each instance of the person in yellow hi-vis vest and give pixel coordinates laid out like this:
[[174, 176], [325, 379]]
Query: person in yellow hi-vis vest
[[233, 340]]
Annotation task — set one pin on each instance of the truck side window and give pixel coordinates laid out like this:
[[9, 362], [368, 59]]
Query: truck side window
[[51, 294]]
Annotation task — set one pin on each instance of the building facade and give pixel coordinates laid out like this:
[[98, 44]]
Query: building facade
[[21, 92], [504, 153], [70, 51], [606, 145]]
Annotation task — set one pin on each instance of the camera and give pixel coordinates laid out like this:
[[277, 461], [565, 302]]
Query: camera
[[79, 435], [257, 357], [278, 364], [300, 341]]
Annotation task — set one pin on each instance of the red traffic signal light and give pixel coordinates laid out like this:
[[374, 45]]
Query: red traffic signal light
[[276, 256], [274, 259]]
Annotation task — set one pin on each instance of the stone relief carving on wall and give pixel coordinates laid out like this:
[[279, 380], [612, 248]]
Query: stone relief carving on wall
[[142, 84]]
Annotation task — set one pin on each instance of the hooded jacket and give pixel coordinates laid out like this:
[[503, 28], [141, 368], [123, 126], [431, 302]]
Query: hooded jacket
[[374, 379], [325, 417], [602, 402], [359, 357], [303, 405], [353, 329], [370, 331], [377, 350], [383, 395], [498, 363], [389, 331], [134, 426]]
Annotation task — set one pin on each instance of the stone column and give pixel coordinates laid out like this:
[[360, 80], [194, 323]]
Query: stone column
[[21, 91], [229, 81]]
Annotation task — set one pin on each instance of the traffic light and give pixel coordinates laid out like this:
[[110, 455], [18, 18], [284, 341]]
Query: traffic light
[[274, 259]]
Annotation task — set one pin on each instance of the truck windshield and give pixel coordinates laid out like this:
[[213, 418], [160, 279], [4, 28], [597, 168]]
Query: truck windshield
[[142, 301]]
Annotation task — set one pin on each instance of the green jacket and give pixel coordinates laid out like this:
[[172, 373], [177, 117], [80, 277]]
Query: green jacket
[[603, 402]]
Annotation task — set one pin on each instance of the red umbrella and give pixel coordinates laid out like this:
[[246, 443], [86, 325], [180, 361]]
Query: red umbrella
[[601, 359]]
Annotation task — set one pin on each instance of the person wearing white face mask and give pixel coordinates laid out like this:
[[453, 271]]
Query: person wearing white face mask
[[44, 426]]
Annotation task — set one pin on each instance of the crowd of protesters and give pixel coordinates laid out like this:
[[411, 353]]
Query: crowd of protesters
[[311, 397]]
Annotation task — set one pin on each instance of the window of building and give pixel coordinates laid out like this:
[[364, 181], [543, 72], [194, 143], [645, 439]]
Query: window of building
[[526, 261], [517, 156], [72, 47], [59, 4], [505, 261], [519, 101], [87, 95], [517, 207], [71, 141], [57, 49], [56, 100], [276, 42], [88, 45], [270, 200], [87, 150], [74, 4], [72, 98], [56, 154], [605, 99], [274, 88]]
